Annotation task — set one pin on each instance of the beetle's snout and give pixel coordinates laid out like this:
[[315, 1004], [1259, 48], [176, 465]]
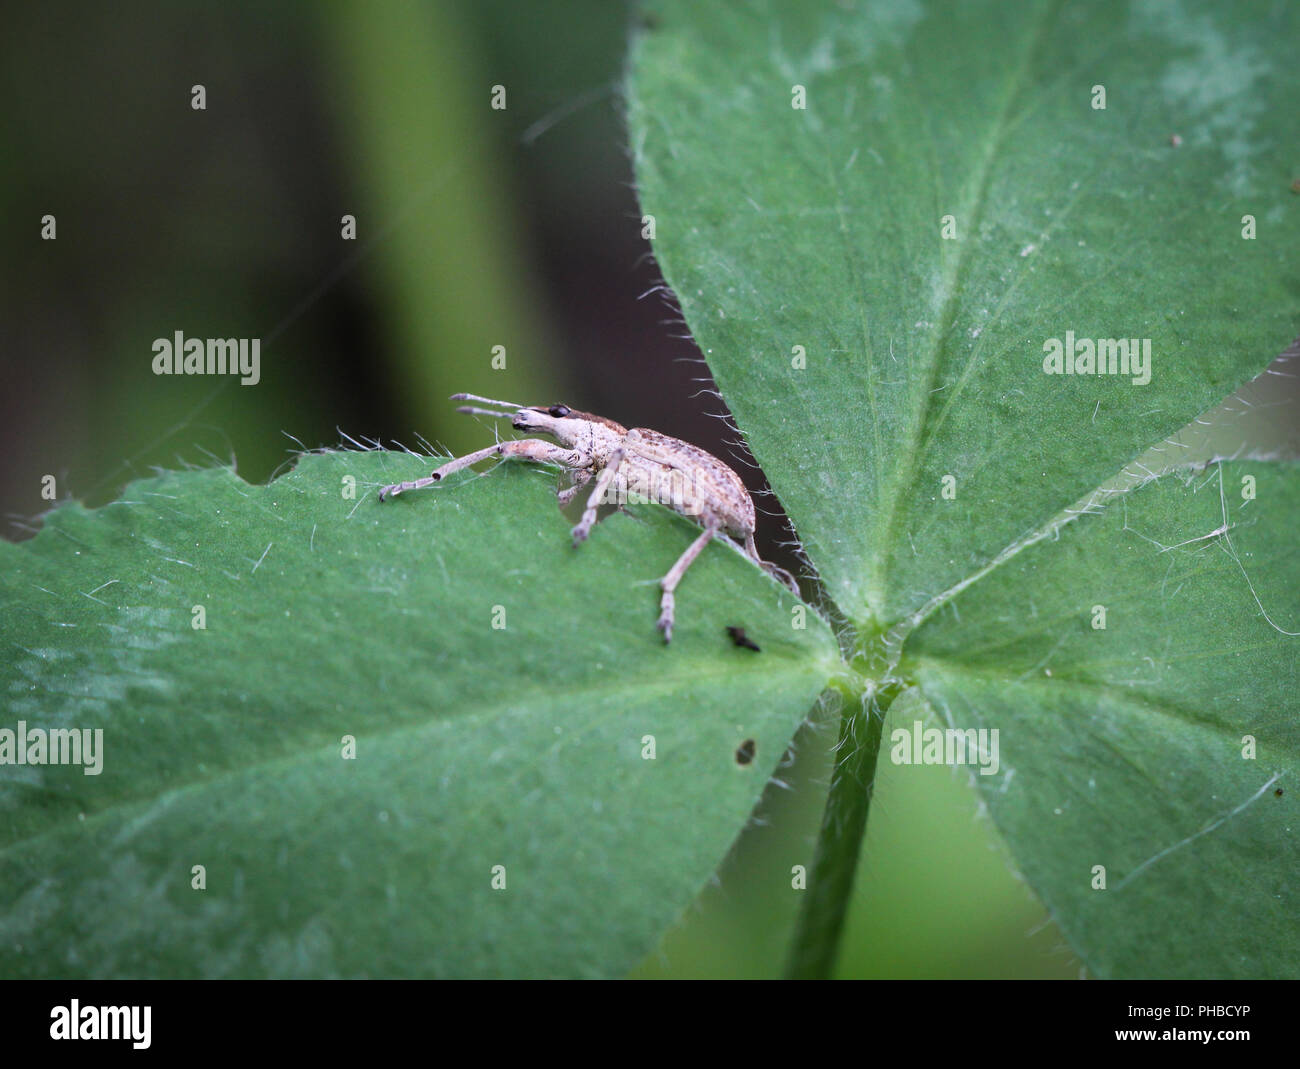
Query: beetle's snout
[[539, 418]]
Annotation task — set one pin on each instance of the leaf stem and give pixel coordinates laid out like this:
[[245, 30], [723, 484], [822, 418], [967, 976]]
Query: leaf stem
[[844, 823]]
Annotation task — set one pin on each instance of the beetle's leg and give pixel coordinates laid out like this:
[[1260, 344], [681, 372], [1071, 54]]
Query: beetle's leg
[[776, 572], [668, 584], [581, 477], [603, 480], [527, 448]]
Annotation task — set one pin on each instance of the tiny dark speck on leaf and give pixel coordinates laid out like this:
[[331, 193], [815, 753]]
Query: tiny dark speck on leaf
[[1278, 792], [739, 637], [745, 752]]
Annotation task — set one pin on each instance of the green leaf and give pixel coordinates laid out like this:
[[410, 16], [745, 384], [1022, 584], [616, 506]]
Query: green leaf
[[1128, 746], [822, 228], [329, 617]]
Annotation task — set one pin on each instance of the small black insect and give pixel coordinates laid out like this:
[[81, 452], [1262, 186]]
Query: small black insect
[[745, 752], [739, 637], [1278, 793]]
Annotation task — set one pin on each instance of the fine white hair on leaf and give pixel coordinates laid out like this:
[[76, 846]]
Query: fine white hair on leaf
[[1213, 825]]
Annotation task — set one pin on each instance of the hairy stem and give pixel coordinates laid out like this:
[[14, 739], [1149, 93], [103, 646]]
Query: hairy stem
[[844, 823]]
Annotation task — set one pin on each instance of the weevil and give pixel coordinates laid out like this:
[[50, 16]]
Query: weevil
[[624, 463]]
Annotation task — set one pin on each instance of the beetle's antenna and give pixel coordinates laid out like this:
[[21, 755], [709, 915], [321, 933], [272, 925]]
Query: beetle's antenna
[[469, 410], [486, 401]]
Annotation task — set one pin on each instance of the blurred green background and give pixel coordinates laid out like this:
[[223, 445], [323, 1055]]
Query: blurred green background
[[476, 228]]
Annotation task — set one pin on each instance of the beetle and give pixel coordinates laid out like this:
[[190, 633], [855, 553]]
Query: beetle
[[637, 462]]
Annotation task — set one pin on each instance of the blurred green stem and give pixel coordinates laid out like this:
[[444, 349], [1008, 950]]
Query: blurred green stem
[[434, 191], [844, 824]]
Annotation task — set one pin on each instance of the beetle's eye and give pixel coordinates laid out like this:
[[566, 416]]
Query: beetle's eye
[[559, 411]]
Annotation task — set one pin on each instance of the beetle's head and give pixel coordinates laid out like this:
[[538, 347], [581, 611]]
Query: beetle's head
[[566, 425]]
